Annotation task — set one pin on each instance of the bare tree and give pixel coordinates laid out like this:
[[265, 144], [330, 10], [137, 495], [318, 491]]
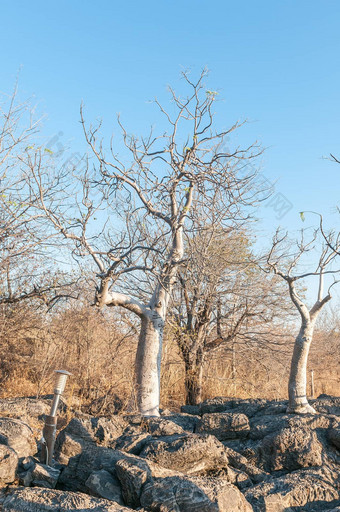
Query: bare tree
[[24, 273], [147, 197], [221, 300], [286, 265]]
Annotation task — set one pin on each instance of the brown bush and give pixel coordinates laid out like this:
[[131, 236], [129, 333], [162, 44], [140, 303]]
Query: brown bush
[[98, 347]]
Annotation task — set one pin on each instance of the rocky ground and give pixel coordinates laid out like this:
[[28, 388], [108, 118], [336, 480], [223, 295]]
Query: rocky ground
[[224, 455]]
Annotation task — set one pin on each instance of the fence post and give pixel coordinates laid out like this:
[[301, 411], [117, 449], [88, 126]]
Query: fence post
[[312, 390]]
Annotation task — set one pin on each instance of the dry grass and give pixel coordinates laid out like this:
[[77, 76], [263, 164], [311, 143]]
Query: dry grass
[[99, 350]]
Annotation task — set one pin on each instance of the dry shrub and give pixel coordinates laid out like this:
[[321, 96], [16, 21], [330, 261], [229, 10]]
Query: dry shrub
[[98, 347]]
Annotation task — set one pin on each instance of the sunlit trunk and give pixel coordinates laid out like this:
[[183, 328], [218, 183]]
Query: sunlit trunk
[[148, 364], [297, 387]]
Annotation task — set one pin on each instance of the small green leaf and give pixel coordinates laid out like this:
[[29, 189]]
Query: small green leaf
[[47, 150], [302, 216]]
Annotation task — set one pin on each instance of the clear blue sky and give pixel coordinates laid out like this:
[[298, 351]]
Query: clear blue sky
[[275, 62]]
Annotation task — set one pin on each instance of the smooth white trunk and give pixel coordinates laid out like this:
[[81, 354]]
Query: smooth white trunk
[[297, 386], [148, 364]]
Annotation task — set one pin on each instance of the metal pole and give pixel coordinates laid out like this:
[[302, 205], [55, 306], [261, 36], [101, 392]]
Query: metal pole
[[50, 428]]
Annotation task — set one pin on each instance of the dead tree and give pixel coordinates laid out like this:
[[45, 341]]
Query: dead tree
[[146, 197], [283, 264]]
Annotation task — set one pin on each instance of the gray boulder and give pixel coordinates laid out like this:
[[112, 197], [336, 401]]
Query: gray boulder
[[262, 426], [8, 464], [80, 467], [191, 409], [188, 422], [306, 488], [133, 474], [85, 430], [18, 436], [224, 426], [156, 488], [40, 475], [26, 409], [103, 484], [133, 440], [176, 494], [162, 427], [189, 454], [217, 404], [46, 500], [327, 404], [250, 406], [183, 494], [241, 463], [334, 436], [291, 449], [221, 492]]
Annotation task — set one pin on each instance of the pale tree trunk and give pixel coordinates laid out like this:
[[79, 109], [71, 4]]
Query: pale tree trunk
[[149, 351], [297, 387], [152, 315], [148, 364]]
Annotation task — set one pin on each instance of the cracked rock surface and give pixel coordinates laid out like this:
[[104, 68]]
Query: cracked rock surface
[[222, 455]]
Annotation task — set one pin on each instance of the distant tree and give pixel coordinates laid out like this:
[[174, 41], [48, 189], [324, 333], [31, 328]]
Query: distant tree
[[147, 196], [283, 263]]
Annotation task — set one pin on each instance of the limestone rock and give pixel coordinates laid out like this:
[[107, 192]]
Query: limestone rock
[[224, 425], [45, 500], [26, 409], [190, 454], [80, 467], [132, 475], [191, 409], [221, 492], [334, 436], [262, 426], [217, 404], [19, 436], [250, 406], [291, 449], [327, 404], [40, 475], [132, 440], [86, 430], [176, 494], [242, 464], [200, 494], [162, 427], [103, 484], [187, 422], [298, 489], [8, 464]]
